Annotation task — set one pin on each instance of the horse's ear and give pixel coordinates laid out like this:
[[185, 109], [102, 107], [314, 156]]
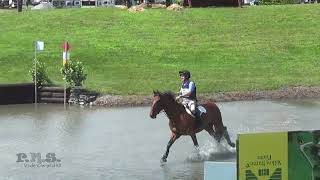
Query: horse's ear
[[156, 93], [159, 93]]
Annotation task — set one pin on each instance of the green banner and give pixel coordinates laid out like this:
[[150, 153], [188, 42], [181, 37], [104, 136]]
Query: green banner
[[263, 156], [304, 155], [279, 156]]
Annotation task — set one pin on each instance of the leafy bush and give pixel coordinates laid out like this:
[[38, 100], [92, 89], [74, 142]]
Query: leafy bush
[[180, 2], [42, 77], [73, 73]]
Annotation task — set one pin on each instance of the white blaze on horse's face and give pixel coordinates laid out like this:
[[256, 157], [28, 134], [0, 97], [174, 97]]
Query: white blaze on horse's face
[[155, 108]]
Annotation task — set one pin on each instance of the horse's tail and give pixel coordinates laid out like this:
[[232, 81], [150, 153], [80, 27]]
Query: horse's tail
[[220, 129]]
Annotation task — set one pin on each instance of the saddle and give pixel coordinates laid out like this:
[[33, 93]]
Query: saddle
[[199, 109]]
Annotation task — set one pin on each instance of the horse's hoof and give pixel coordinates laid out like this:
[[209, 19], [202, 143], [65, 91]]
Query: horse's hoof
[[232, 145], [162, 161]]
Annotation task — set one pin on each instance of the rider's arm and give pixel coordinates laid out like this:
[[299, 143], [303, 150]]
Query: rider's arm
[[179, 92], [190, 90]]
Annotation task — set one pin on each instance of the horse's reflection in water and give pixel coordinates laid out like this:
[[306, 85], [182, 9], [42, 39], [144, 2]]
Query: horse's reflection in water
[[181, 123], [174, 171]]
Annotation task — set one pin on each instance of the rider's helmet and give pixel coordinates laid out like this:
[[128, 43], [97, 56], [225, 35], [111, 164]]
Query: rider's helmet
[[185, 73]]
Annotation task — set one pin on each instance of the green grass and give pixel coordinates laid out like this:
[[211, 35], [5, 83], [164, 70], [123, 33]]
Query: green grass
[[226, 49]]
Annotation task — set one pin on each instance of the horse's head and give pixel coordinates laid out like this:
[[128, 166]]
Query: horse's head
[[157, 104], [160, 102]]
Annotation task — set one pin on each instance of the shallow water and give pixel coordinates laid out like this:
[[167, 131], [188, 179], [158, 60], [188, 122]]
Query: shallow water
[[124, 143]]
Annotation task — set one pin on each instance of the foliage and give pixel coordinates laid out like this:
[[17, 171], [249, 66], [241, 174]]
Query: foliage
[[41, 75], [180, 2], [73, 73]]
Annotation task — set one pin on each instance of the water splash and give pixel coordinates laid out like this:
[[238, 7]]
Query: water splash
[[213, 151]]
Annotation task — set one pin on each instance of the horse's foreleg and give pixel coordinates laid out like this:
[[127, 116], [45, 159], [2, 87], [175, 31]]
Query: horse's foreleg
[[227, 137], [173, 138], [195, 141]]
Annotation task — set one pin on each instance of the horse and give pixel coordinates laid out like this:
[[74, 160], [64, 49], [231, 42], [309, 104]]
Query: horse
[[182, 123]]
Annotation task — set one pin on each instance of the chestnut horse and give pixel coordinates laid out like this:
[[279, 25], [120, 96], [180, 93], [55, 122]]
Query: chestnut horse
[[181, 123]]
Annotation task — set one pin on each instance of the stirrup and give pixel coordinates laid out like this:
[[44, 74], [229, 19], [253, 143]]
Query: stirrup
[[196, 115]]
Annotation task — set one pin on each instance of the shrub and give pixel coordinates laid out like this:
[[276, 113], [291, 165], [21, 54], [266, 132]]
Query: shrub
[[180, 2], [73, 73], [42, 77]]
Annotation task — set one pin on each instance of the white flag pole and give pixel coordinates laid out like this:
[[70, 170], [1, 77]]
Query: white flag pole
[[65, 94], [35, 73], [64, 57]]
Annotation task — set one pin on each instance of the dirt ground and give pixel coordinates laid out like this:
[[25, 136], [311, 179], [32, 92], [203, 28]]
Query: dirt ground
[[283, 93]]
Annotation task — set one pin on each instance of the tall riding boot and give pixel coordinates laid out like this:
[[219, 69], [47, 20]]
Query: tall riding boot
[[197, 114]]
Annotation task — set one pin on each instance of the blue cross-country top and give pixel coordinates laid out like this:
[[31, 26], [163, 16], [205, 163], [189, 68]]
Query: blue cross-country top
[[189, 86]]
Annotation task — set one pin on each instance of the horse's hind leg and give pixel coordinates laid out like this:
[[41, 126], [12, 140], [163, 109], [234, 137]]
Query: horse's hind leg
[[227, 137], [216, 136], [173, 138]]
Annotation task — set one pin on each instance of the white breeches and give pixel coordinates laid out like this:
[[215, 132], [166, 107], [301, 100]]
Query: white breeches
[[190, 103]]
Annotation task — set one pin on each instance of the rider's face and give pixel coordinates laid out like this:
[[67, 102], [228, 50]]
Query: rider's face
[[182, 78]]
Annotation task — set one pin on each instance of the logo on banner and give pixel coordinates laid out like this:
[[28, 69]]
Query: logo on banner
[[38, 160], [263, 156]]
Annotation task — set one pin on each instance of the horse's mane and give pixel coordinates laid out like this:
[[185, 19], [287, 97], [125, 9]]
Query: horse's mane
[[169, 95], [175, 106]]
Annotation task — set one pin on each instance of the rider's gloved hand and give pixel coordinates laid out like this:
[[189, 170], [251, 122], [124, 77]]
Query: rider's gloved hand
[[178, 97]]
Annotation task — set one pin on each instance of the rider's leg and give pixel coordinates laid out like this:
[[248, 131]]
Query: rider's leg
[[192, 106], [193, 109], [185, 102]]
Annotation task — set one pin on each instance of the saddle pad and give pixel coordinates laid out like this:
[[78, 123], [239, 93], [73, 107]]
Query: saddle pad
[[200, 108]]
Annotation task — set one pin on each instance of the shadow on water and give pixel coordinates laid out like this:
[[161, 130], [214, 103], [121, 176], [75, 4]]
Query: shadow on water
[[222, 156], [302, 103], [173, 171]]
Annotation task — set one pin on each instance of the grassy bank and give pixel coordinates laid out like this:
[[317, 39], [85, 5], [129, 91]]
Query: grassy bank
[[226, 49]]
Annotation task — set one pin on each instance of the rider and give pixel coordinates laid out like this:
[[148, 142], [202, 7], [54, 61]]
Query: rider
[[188, 92]]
